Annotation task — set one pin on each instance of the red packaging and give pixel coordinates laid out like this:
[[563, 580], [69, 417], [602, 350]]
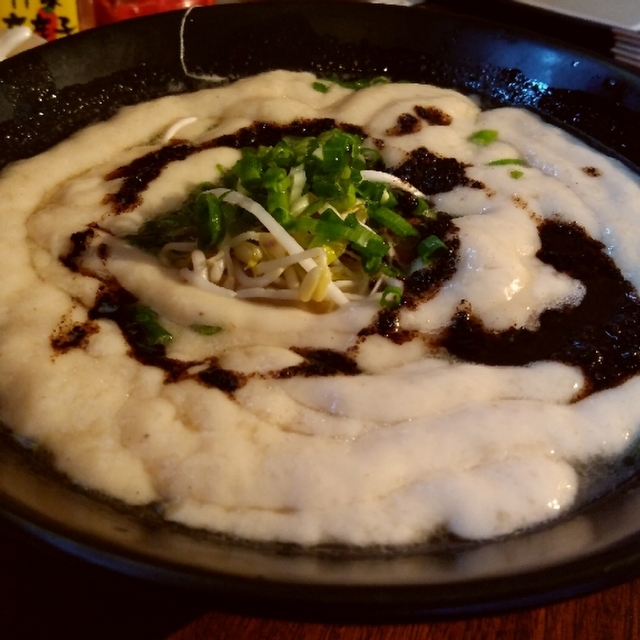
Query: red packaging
[[107, 11]]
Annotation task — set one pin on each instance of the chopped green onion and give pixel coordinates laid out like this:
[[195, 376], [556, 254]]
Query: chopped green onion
[[320, 87], [505, 161], [365, 241], [424, 209], [205, 329], [303, 192], [516, 174], [428, 247], [210, 221], [391, 297], [393, 221], [391, 271], [177, 226], [483, 137], [371, 264], [249, 169], [145, 329], [372, 191], [359, 83], [277, 183]]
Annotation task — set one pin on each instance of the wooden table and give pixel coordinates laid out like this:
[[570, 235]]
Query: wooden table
[[45, 594]]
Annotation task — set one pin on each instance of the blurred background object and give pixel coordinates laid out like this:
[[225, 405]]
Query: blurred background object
[[14, 41], [627, 46], [48, 19], [621, 16], [615, 13], [616, 24], [108, 11]]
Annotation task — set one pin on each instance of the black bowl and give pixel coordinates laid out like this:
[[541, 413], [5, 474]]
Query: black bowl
[[48, 93]]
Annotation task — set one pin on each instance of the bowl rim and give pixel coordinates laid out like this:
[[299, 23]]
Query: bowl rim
[[593, 80]]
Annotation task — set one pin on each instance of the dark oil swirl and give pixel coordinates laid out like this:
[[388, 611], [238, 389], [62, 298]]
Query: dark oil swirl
[[601, 335], [138, 174]]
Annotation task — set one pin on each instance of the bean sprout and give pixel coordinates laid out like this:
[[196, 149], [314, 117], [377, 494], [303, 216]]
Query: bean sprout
[[289, 243], [387, 178], [173, 129]]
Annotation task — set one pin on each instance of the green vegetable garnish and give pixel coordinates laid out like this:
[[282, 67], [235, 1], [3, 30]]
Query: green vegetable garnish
[[423, 209], [359, 83], [180, 225], [341, 205], [321, 87], [516, 174], [205, 329], [391, 297], [483, 137], [507, 161], [145, 329], [210, 221], [428, 247], [313, 188], [393, 221]]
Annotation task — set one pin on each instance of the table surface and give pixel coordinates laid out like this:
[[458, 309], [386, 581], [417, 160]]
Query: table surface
[[44, 593]]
